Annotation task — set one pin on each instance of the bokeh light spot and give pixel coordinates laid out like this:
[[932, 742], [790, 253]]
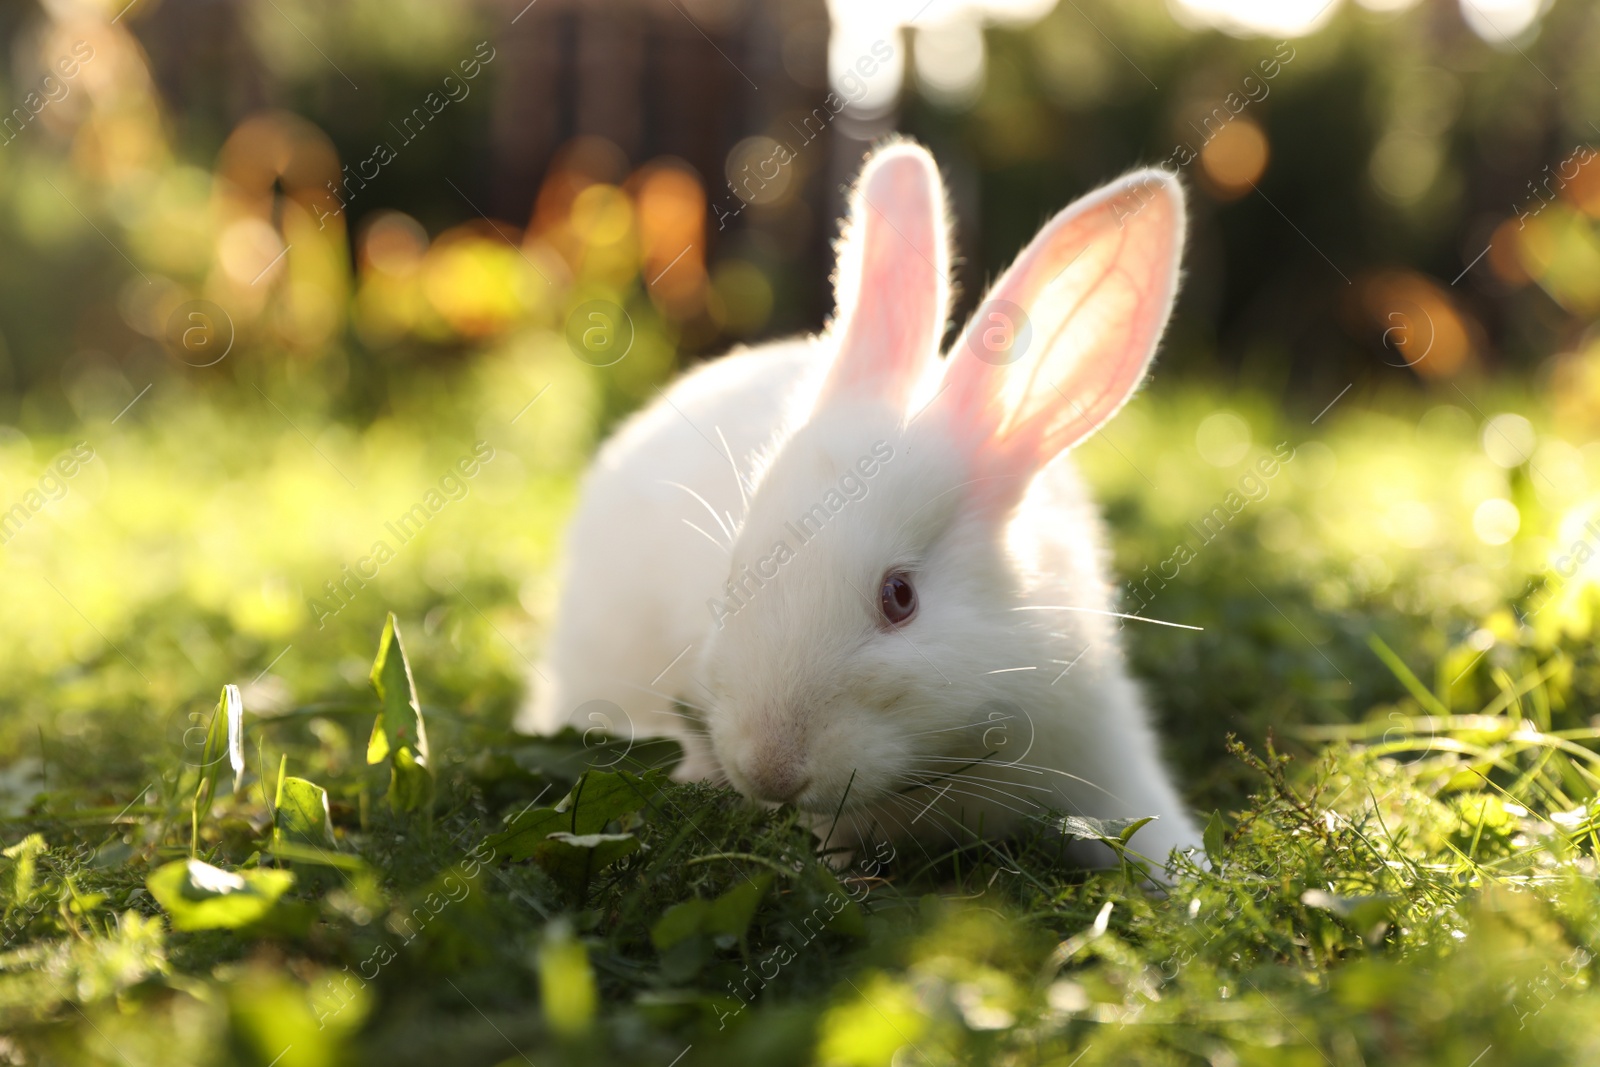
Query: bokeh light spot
[[1222, 439], [1496, 521], [1509, 440], [1235, 158]]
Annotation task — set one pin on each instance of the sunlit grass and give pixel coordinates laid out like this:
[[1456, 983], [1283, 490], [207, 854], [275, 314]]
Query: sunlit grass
[[1400, 867]]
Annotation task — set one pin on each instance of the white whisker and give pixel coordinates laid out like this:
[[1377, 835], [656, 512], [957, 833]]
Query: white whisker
[[720, 546], [963, 726], [690, 719], [967, 776], [985, 762], [1036, 769], [668, 697], [1112, 614], [953, 789], [905, 830], [937, 816], [970, 765], [726, 531], [737, 480]]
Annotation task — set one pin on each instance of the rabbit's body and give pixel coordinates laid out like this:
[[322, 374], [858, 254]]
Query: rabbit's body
[[905, 629], [637, 578]]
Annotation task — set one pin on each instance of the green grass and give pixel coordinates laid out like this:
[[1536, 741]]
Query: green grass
[[1401, 865]]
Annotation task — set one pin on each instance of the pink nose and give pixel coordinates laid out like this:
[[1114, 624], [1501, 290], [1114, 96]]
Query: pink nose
[[775, 780]]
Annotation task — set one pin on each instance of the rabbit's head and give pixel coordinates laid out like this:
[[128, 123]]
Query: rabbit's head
[[869, 607]]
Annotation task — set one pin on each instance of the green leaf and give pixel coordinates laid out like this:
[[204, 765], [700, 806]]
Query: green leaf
[[728, 915], [399, 723], [1111, 831], [25, 855], [732, 911], [302, 814], [398, 733], [598, 798], [1368, 915], [410, 782], [1215, 833], [224, 741], [847, 918], [573, 859], [281, 1018], [567, 754], [84, 903], [605, 849], [527, 831], [198, 896], [679, 922], [566, 983], [601, 796]]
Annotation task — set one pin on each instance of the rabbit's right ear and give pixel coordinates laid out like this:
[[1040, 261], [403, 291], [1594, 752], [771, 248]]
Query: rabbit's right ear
[[1067, 333], [892, 283]]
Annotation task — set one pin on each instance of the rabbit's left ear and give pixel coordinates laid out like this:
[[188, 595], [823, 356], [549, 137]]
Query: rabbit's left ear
[[893, 283], [1066, 335]]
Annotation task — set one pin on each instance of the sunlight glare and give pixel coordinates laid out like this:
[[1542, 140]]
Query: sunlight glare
[[1249, 18], [1501, 21]]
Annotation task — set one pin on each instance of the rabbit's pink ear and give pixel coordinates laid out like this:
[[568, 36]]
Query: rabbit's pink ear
[[1066, 335], [893, 281]]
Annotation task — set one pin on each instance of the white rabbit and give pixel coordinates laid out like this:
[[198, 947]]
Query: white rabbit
[[896, 616]]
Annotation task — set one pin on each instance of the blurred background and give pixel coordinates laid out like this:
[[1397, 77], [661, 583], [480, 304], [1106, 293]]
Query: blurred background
[[448, 176], [274, 266], [368, 190]]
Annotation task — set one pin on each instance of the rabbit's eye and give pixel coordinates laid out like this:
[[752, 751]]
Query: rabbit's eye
[[897, 599]]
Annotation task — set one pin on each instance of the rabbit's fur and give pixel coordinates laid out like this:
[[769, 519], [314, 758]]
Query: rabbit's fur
[[748, 620]]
